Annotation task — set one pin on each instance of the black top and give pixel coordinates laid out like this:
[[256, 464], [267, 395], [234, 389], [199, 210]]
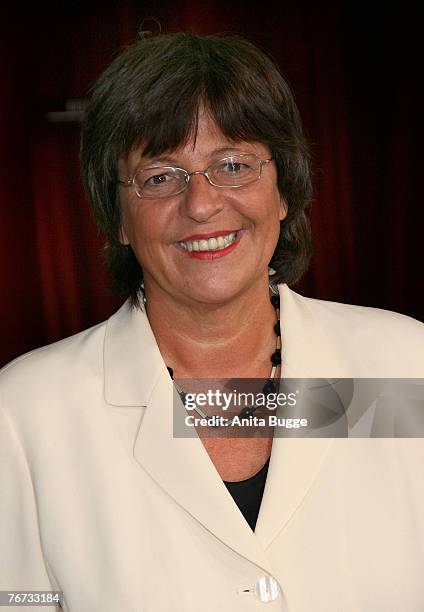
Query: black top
[[248, 494]]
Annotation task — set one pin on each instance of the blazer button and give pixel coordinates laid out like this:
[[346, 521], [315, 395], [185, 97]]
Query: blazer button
[[267, 589]]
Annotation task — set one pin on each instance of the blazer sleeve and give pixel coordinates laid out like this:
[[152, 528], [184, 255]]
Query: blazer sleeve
[[22, 564]]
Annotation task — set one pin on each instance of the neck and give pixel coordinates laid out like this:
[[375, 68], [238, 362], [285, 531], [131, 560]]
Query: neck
[[201, 340]]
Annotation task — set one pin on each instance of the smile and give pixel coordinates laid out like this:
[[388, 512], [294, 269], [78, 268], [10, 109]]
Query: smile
[[211, 244]]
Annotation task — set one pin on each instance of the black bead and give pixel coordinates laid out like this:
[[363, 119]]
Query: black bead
[[171, 372], [275, 301], [269, 387], [276, 357], [277, 328], [247, 411]]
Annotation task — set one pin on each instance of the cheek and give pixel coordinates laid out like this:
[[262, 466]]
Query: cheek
[[268, 212], [145, 228], [134, 221]]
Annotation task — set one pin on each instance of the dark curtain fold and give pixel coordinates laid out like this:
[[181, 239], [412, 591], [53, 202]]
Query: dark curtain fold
[[353, 72]]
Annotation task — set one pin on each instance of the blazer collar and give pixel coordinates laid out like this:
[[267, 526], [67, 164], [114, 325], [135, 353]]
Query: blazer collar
[[135, 375], [310, 348], [132, 361]]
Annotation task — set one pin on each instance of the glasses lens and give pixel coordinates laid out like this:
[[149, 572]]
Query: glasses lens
[[162, 182], [236, 170]]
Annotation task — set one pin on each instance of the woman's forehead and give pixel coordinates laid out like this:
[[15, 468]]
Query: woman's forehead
[[206, 141], [186, 158], [183, 158]]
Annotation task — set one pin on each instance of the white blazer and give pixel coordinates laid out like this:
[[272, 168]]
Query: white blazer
[[100, 501]]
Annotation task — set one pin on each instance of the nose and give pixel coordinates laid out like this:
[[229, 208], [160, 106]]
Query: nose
[[201, 201]]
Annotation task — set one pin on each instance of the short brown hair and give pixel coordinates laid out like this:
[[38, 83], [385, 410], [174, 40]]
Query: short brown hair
[[152, 93]]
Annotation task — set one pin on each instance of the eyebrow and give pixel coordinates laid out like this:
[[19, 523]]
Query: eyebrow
[[164, 159]]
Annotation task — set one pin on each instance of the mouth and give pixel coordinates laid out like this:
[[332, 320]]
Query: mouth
[[210, 246], [211, 243]]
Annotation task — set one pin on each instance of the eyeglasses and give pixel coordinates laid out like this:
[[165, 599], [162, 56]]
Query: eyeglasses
[[231, 172]]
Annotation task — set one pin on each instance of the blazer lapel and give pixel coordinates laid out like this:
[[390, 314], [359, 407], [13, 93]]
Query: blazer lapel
[[182, 467]]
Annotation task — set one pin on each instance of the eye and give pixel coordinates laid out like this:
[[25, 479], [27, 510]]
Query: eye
[[233, 167], [157, 180]]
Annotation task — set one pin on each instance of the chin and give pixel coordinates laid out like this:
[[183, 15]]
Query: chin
[[216, 293]]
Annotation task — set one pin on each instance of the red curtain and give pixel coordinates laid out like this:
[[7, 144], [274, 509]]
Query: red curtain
[[352, 70]]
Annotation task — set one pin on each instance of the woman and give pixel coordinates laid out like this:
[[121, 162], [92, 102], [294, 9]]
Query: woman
[[197, 171]]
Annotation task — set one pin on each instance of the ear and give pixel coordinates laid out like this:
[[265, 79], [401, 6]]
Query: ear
[[123, 236], [283, 208]]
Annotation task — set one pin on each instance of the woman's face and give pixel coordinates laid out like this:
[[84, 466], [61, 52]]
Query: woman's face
[[155, 228]]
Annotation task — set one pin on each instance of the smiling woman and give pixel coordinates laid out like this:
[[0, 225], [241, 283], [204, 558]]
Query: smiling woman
[[197, 172]]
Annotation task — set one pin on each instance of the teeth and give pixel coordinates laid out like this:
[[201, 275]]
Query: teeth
[[211, 244]]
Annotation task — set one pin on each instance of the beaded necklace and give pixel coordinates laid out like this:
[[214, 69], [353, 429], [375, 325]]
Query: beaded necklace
[[270, 384]]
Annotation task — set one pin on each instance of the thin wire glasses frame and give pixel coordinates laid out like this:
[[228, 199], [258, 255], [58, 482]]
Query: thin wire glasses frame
[[183, 177]]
